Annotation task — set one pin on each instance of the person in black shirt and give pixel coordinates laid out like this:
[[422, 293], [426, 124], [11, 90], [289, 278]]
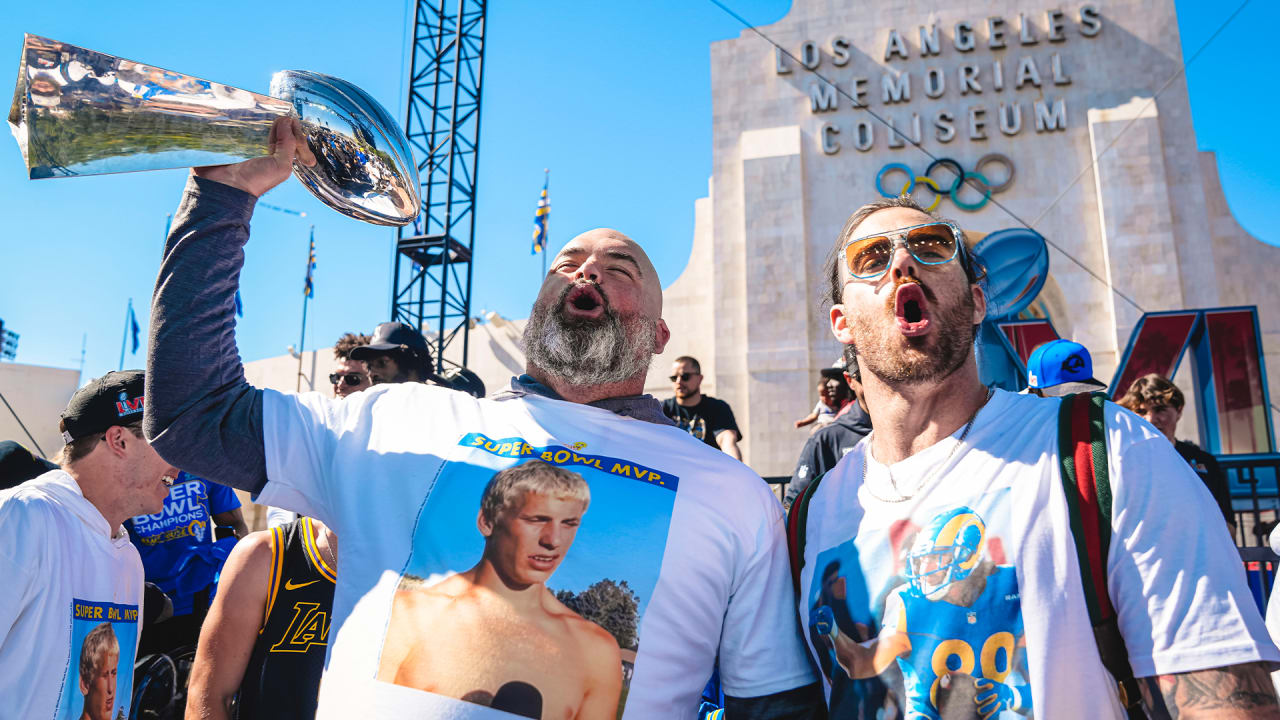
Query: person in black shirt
[[1160, 403], [702, 416], [261, 652], [828, 444]]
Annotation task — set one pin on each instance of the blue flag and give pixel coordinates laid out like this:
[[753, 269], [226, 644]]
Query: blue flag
[[239, 305], [540, 219], [133, 320], [309, 289]]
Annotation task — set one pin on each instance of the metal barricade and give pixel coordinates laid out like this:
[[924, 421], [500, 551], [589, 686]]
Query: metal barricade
[[1255, 496]]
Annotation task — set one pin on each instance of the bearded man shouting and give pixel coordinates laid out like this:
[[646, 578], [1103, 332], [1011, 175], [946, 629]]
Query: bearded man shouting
[[696, 564], [939, 574]]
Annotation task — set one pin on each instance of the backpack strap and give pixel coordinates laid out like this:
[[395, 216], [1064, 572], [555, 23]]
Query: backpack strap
[[1086, 482], [797, 525]]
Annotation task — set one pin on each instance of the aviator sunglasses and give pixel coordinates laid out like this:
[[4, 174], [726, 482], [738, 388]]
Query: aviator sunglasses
[[351, 379], [682, 377], [935, 243]]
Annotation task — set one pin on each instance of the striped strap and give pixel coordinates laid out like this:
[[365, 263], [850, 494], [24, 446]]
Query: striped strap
[[797, 524], [1082, 453], [1086, 482]]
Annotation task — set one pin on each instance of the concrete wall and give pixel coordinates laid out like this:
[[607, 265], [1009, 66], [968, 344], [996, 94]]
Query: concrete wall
[[38, 395]]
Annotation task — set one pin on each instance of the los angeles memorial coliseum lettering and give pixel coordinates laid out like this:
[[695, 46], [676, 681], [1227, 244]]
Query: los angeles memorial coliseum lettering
[[1024, 62]]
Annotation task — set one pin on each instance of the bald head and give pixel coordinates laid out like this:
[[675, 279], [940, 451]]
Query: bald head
[[616, 252], [597, 322]]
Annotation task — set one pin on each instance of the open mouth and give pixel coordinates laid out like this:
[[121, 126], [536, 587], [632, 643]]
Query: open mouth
[[543, 562], [584, 301], [911, 310]]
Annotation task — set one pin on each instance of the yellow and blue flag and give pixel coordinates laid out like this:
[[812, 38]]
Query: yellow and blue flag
[[309, 289], [540, 219]]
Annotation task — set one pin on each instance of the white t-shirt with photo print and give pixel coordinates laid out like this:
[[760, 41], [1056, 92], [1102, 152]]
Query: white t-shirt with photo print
[[967, 595], [397, 472]]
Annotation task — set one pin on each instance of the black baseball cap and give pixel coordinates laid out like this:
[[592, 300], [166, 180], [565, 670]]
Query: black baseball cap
[[393, 336], [113, 399], [464, 380], [18, 464], [835, 372]]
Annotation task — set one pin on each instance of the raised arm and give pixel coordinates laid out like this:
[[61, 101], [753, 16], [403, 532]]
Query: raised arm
[[201, 413]]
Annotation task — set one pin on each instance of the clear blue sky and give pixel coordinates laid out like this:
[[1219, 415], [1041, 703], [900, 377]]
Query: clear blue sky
[[614, 97]]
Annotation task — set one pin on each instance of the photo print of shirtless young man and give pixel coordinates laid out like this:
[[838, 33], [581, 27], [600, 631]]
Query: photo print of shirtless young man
[[495, 635]]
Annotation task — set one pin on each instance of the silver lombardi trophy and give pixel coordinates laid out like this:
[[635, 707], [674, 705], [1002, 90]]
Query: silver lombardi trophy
[[80, 112]]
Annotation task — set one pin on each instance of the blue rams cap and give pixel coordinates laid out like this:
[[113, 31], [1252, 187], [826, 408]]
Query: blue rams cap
[[1062, 367]]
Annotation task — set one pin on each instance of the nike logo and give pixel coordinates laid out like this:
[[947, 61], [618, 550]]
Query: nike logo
[[288, 584]]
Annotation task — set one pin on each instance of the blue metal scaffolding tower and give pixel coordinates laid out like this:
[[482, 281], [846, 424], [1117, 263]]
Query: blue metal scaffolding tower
[[431, 287]]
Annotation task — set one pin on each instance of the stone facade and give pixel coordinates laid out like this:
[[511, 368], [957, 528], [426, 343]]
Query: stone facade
[[1095, 120]]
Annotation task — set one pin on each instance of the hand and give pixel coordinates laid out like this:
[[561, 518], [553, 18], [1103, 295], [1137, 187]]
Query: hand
[[258, 175], [992, 697], [823, 621]]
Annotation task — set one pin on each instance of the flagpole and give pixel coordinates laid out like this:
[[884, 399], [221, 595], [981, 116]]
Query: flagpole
[[306, 296], [84, 342], [125, 336], [546, 225]]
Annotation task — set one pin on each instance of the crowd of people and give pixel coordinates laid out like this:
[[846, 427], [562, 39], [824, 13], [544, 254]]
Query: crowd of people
[[570, 546]]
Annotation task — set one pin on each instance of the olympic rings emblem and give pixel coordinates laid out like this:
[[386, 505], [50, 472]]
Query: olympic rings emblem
[[974, 178]]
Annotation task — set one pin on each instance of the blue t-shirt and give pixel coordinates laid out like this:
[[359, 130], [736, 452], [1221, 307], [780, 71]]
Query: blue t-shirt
[[177, 544]]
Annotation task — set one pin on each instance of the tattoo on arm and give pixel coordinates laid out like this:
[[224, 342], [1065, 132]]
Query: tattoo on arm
[[1235, 691]]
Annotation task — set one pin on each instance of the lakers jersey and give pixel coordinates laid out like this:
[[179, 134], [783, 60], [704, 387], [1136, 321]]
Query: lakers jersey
[[283, 674]]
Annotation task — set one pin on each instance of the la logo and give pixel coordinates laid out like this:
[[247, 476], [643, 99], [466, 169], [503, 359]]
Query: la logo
[[310, 626]]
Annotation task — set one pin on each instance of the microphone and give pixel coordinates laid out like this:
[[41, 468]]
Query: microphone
[[518, 698]]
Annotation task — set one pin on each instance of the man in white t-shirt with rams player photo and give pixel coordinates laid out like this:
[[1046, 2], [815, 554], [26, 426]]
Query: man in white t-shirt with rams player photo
[[939, 571], [687, 543]]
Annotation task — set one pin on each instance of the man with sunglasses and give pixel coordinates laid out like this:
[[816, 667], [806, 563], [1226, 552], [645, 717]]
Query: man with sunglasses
[[702, 416], [957, 479], [350, 375], [397, 354], [703, 539]]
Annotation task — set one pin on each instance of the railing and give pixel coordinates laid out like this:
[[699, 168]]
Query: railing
[[779, 483], [1255, 496]]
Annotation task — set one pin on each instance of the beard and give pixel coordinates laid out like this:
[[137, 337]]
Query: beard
[[588, 351], [900, 360]]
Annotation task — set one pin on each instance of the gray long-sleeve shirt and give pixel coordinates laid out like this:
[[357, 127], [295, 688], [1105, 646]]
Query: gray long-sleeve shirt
[[201, 414]]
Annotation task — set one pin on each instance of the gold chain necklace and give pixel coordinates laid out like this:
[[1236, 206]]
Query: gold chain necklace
[[937, 468]]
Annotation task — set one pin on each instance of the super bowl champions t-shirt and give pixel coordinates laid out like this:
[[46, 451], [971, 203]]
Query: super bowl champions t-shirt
[[679, 555], [70, 595], [177, 544], [967, 597]]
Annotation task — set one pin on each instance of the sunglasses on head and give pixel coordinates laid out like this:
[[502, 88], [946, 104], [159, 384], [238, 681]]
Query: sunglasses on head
[[935, 243], [351, 379], [682, 377]]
